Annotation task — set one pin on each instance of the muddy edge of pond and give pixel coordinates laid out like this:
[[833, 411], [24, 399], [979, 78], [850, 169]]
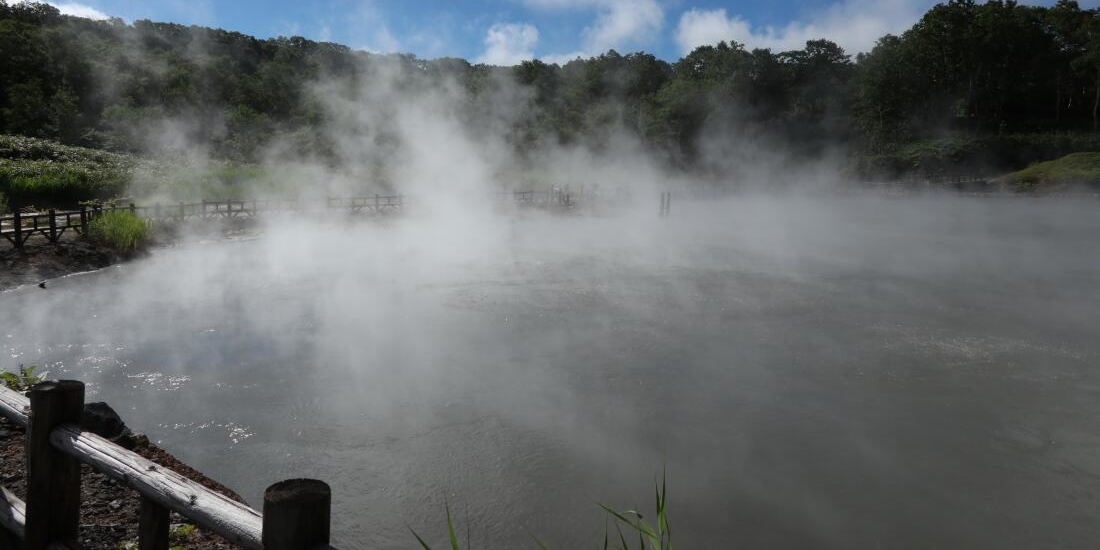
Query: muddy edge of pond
[[109, 511], [40, 260]]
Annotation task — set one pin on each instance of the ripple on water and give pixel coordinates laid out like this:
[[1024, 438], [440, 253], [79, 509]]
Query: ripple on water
[[159, 381], [234, 432]]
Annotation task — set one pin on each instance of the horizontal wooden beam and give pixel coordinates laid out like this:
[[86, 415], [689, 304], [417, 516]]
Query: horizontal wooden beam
[[14, 406], [13, 513], [236, 522]]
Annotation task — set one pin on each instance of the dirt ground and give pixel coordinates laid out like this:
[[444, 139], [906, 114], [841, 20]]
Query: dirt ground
[[40, 260]]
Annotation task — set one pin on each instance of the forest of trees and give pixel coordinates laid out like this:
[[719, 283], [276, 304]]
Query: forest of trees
[[965, 69]]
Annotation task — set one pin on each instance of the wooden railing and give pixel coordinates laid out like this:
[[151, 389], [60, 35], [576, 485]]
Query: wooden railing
[[18, 227], [295, 512]]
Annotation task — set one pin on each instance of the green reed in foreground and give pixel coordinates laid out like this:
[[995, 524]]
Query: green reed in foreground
[[656, 536]]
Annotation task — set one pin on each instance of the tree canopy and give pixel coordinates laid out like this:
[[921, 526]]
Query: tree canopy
[[964, 67]]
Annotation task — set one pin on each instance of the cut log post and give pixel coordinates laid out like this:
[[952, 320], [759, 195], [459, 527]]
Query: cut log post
[[83, 220], [296, 514], [53, 225], [53, 478], [18, 221], [152, 526]]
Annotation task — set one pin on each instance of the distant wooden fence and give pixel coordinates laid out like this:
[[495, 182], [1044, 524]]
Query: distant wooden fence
[[295, 513], [18, 227]]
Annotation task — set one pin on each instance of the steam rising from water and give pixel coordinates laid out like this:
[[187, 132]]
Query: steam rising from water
[[812, 371]]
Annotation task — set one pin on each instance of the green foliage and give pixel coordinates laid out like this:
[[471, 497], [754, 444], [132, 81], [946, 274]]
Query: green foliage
[[22, 380], [119, 229], [45, 173], [658, 535], [973, 156], [974, 72], [655, 536], [1076, 170]]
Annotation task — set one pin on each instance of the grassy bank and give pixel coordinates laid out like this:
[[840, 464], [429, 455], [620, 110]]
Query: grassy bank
[[972, 155], [46, 174], [1077, 171]]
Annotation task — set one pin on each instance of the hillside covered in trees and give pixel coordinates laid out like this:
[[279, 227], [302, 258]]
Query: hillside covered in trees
[[995, 85]]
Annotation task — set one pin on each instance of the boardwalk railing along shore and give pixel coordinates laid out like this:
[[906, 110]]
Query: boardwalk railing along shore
[[295, 516]]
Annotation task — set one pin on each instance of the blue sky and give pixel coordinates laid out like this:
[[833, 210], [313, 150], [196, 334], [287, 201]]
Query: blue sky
[[507, 31]]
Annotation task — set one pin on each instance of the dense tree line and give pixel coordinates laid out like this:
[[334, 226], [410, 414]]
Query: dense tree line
[[964, 68]]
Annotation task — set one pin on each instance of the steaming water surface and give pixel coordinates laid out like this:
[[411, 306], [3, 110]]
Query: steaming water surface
[[830, 373]]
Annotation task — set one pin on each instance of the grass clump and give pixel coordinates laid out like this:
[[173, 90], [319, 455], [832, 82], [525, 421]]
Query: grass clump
[[651, 536], [119, 230], [1076, 170]]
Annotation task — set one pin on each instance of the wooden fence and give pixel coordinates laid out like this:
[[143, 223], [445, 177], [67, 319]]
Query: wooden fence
[[295, 512], [18, 227]]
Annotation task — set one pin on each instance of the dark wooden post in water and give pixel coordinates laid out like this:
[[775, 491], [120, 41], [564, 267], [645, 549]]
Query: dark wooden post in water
[[296, 514], [53, 225], [53, 478], [152, 526], [18, 221]]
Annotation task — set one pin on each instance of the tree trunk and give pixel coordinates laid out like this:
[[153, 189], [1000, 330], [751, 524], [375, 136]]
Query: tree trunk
[[1096, 103], [1058, 99]]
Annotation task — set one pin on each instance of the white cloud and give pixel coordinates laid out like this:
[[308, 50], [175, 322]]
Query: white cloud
[[509, 43], [853, 24], [618, 24], [74, 9], [624, 22], [563, 58]]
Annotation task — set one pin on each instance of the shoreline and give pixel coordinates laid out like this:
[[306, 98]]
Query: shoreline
[[42, 261]]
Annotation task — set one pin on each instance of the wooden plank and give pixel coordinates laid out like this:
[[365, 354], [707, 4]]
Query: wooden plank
[[13, 513], [234, 521], [53, 477], [14, 406]]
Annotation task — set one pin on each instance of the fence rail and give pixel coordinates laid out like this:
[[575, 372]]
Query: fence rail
[[18, 227], [296, 512]]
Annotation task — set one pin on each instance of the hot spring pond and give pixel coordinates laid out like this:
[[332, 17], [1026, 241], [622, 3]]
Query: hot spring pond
[[853, 373]]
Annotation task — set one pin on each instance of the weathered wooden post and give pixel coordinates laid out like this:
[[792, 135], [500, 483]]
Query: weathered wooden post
[[296, 514], [18, 221], [377, 203], [83, 219], [53, 478], [133, 209], [53, 225], [152, 526]]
